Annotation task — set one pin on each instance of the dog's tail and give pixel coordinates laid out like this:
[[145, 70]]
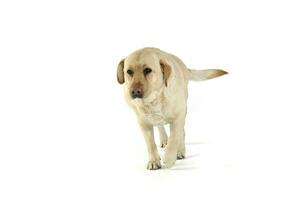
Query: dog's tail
[[201, 75]]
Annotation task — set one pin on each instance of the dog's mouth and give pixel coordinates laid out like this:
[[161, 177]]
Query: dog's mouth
[[134, 96]]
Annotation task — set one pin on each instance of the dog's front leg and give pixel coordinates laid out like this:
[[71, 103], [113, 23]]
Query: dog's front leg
[[154, 158], [174, 141]]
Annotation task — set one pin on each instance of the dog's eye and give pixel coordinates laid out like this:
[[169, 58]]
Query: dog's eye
[[147, 71], [130, 72]]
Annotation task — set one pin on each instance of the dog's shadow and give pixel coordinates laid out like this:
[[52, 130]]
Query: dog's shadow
[[187, 165], [196, 143]]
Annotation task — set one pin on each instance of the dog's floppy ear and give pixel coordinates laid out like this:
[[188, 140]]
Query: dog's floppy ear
[[166, 70], [120, 74]]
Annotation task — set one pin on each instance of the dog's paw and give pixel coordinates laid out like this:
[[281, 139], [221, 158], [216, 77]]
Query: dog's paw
[[180, 155], [154, 164], [170, 157], [169, 161]]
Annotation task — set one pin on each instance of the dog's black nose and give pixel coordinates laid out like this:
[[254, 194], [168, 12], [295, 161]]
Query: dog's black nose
[[137, 93]]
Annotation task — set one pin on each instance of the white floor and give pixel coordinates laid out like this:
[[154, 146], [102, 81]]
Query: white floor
[[235, 150]]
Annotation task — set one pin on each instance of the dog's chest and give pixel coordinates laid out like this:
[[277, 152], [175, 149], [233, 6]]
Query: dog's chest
[[153, 112]]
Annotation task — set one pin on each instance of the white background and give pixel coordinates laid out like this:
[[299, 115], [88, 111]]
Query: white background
[[66, 132]]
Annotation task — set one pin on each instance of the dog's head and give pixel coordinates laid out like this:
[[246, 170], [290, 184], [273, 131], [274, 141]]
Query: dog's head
[[143, 72]]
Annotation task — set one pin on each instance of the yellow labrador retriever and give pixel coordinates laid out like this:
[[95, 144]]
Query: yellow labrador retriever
[[155, 87]]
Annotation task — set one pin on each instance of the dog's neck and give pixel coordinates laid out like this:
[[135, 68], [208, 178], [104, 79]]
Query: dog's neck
[[153, 98], [152, 104], [152, 107]]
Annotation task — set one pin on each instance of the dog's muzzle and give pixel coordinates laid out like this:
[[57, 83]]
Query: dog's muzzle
[[137, 91]]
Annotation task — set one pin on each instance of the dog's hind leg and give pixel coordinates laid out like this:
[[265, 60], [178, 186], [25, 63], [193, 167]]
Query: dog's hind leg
[[182, 150], [163, 136]]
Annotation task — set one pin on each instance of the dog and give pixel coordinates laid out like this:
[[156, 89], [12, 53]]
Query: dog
[[155, 87]]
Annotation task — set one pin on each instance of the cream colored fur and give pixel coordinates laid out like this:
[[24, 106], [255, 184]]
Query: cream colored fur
[[164, 100]]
